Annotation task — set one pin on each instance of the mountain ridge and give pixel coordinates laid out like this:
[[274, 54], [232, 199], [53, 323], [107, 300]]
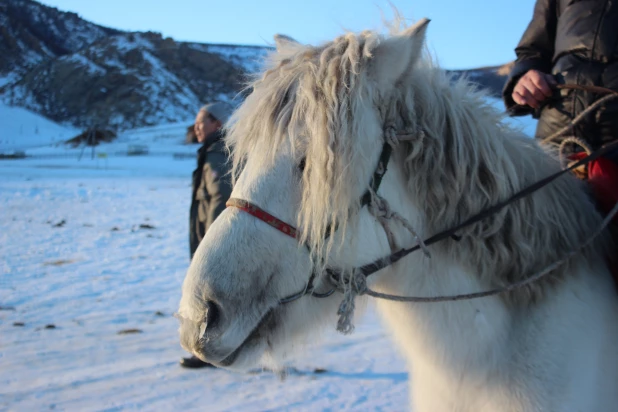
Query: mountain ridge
[[78, 73]]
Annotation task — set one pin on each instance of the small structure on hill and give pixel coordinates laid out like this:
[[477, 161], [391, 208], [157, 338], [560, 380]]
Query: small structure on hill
[[92, 137], [13, 154]]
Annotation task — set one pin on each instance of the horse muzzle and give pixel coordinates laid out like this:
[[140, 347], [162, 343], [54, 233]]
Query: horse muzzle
[[201, 337]]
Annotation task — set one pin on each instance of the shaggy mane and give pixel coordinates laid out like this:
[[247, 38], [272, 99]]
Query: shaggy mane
[[465, 159]]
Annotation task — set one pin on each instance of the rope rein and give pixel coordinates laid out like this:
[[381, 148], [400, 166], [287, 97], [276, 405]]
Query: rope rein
[[356, 284], [361, 288]]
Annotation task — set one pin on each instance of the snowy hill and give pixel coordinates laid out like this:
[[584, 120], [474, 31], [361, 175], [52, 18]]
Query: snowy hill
[[60, 74], [38, 136], [22, 129]]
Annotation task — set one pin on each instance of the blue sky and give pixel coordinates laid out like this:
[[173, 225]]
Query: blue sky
[[462, 34]]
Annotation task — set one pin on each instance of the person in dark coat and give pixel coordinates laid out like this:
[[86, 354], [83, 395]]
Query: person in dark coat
[[574, 42], [211, 180], [211, 183]]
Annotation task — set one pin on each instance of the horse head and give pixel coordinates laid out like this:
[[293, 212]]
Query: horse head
[[306, 144]]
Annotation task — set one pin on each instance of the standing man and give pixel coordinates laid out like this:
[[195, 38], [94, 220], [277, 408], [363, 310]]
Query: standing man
[[211, 183]]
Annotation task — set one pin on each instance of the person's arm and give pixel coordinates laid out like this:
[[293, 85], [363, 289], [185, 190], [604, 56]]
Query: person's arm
[[218, 185], [534, 52], [196, 229]]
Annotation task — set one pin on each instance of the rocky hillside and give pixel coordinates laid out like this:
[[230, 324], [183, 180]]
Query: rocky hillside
[[491, 79], [76, 72], [32, 34]]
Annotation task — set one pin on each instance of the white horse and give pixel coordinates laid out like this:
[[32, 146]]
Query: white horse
[[306, 143]]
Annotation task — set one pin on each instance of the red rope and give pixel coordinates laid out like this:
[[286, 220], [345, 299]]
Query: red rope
[[265, 217]]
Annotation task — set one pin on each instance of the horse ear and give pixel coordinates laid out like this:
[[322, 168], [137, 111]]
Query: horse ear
[[283, 42], [396, 55]]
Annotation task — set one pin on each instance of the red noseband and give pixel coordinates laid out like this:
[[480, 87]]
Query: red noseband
[[265, 217]]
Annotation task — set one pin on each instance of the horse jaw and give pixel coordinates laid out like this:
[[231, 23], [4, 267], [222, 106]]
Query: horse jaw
[[244, 267]]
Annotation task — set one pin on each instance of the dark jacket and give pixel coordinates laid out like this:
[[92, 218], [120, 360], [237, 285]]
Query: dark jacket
[[577, 42], [211, 187]]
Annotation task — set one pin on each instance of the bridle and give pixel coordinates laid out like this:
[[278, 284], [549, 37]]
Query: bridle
[[291, 231], [336, 278]]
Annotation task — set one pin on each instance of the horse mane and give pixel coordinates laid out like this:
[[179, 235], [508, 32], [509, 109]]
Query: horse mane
[[464, 159]]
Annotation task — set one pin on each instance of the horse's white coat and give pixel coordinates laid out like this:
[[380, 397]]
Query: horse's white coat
[[556, 351]]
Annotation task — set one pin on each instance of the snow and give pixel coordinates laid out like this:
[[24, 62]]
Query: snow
[[100, 273], [60, 24], [130, 41], [23, 96], [31, 57], [84, 62], [114, 62], [23, 129], [180, 104], [83, 33], [9, 78]]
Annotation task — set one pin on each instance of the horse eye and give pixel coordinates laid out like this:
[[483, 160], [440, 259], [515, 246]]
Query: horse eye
[[301, 165]]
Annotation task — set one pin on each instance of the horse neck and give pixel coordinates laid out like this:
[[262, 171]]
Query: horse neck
[[440, 341], [468, 163], [437, 334], [477, 338], [418, 275]]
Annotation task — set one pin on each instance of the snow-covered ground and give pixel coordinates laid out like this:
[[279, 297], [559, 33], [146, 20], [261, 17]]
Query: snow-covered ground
[[98, 254], [77, 252], [92, 256]]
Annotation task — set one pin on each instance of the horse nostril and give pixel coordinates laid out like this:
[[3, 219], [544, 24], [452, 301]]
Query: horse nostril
[[212, 314]]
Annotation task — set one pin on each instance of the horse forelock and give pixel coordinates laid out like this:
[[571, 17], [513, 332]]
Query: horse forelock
[[311, 98]]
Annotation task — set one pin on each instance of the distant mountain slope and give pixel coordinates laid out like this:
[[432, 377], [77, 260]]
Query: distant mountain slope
[[31, 34], [127, 80], [76, 72], [79, 73], [491, 78]]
